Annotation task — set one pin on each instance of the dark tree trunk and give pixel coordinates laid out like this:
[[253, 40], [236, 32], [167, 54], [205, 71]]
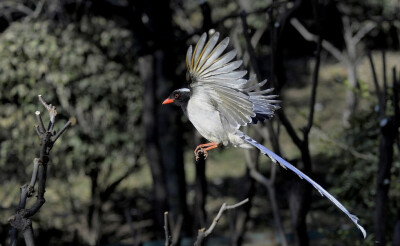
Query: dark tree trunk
[[396, 234], [200, 215], [152, 146], [200, 190], [300, 200], [163, 132], [242, 213], [300, 194], [94, 211], [383, 183], [389, 125]]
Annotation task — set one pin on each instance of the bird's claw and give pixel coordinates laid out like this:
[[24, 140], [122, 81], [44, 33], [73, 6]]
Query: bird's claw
[[200, 151]]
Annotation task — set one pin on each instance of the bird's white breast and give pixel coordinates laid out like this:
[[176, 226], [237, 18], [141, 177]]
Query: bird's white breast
[[206, 119]]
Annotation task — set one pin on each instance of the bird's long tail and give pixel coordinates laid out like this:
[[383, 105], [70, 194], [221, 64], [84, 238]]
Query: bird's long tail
[[275, 158]]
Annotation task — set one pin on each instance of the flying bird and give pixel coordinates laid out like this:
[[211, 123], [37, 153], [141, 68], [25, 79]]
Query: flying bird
[[220, 100]]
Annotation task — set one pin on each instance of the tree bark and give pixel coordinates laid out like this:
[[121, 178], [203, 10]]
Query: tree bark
[[200, 190], [242, 214], [94, 211], [396, 234], [300, 201], [162, 122], [299, 195], [152, 148], [383, 183]]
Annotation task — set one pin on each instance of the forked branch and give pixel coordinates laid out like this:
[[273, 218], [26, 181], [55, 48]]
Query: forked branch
[[203, 233], [21, 221]]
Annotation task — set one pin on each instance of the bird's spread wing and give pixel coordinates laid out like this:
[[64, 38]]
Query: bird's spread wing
[[214, 74], [276, 158]]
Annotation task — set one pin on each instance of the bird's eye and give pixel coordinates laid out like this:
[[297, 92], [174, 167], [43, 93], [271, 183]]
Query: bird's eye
[[176, 96]]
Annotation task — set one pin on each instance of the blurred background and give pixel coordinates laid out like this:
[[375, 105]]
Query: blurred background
[[108, 64]]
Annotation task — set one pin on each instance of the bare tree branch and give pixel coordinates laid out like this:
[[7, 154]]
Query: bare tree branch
[[377, 87], [364, 30], [203, 233], [310, 121], [40, 123], [38, 9], [167, 235], [28, 236], [176, 232], [52, 112], [312, 37], [21, 220], [268, 183], [63, 129], [16, 6], [31, 187]]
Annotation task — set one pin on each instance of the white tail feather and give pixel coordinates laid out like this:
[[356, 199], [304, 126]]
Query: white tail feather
[[322, 191]]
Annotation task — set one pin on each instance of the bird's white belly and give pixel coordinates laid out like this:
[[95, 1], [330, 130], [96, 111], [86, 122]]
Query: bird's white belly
[[206, 120]]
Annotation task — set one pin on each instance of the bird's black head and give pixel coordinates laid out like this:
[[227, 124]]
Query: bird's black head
[[179, 97]]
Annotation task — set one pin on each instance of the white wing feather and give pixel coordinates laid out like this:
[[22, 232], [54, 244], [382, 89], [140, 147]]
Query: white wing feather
[[237, 99]]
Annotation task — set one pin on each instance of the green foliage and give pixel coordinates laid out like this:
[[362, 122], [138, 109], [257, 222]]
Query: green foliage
[[358, 168], [86, 71]]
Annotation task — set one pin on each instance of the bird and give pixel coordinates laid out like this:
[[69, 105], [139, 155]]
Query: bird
[[219, 100]]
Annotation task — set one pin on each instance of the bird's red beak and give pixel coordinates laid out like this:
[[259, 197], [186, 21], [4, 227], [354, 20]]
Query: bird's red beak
[[168, 100]]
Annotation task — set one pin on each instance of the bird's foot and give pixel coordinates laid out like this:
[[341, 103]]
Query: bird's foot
[[204, 148], [200, 151]]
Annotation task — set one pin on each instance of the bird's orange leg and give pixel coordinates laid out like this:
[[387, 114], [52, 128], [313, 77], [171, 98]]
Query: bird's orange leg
[[204, 148]]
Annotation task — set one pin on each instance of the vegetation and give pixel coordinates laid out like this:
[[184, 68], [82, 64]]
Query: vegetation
[[107, 65]]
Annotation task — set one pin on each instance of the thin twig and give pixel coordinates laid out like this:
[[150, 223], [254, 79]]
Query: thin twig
[[223, 208], [31, 187], [314, 87], [254, 173], [290, 129], [52, 112], [235, 15], [176, 232], [203, 233], [17, 6], [269, 185], [364, 30], [395, 101], [253, 60], [312, 37], [384, 79], [377, 88], [167, 235], [250, 49], [37, 130], [40, 122], [65, 127], [38, 9]]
